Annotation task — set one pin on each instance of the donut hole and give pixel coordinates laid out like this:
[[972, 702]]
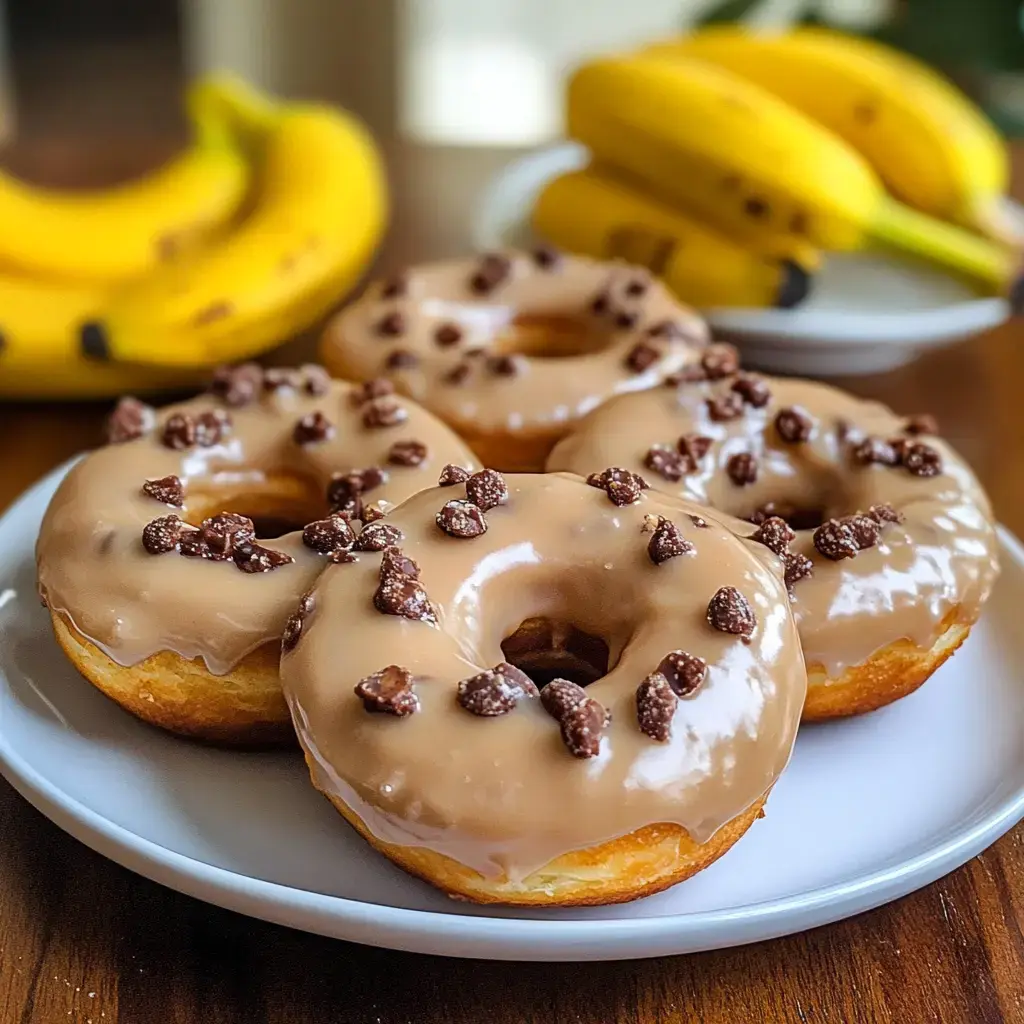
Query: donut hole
[[276, 504], [549, 336], [547, 649], [799, 517]]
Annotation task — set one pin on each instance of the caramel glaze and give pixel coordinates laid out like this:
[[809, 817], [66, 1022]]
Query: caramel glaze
[[940, 559], [543, 391], [93, 570], [503, 795]]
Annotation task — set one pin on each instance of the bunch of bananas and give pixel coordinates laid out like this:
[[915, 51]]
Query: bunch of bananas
[[244, 239], [729, 161]]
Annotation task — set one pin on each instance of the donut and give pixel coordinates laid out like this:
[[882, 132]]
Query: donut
[[883, 533], [510, 349], [174, 607], [564, 693]]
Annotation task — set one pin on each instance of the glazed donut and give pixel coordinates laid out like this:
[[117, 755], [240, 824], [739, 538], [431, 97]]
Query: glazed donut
[[671, 675], [884, 534], [510, 349], [173, 607]]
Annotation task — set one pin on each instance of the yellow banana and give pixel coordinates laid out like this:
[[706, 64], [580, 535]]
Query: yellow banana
[[125, 231], [315, 222], [590, 212], [929, 144], [733, 154], [39, 351]]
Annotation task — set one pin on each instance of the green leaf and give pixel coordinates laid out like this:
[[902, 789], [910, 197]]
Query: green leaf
[[728, 10]]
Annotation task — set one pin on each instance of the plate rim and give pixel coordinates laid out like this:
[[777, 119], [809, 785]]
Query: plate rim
[[795, 328], [481, 936]]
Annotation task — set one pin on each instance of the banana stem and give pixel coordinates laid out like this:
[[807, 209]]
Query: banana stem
[[902, 228], [228, 99]]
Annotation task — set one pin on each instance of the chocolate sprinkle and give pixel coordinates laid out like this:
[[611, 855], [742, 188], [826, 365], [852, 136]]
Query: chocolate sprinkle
[[447, 334], [221, 534], [655, 705], [694, 446], [921, 460], [316, 380], [725, 407], [394, 562], [254, 558], [835, 540], [582, 728], [129, 420], [313, 428], [793, 425], [401, 359], [874, 449], [407, 453], [383, 412], [377, 387], [720, 361], [493, 270], [168, 489], [667, 463], [452, 475], [296, 623], [796, 567], [162, 535], [496, 691], [461, 519], [392, 324], [683, 671], [621, 486], [741, 468], [329, 535], [642, 356], [377, 537], [237, 385], [487, 489], [667, 542], [179, 432], [864, 529], [403, 596], [730, 612], [388, 692], [505, 366], [884, 514], [560, 696], [775, 534], [753, 391], [546, 257]]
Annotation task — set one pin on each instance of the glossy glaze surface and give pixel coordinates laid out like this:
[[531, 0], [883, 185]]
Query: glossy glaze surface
[[535, 309], [503, 795], [940, 559], [93, 569]]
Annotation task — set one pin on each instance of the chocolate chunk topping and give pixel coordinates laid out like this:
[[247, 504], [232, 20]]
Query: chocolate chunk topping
[[725, 407], [636, 287], [345, 491], [329, 535], [459, 373], [129, 420], [395, 287], [625, 319], [599, 304], [687, 375], [697, 521], [496, 691], [447, 334], [796, 567], [391, 324], [190, 544], [921, 459], [667, 463], [371, 513], [452, 475], [493, 270], [742, 468], [313, 428], [922, 423], [864, 529], [835, 540], [884, 514], [582, 727], [793, 425], [221, 534], [403, 596], [560, 696], [642, 356], [394, 562], [162, 535], [621, 486], [378, 387], [505, 366], [487, 489], [212, 427], [461, 519], [683, 671], [775, 534], [667, 329], [388, 692], [874, 449], [383, 412], [720, 361], [667, 542], [655, 706], [730, 612], [277, 378], [179, 432], [237, 385], [547, 257], [401, 359], [407, 453], [753, 391], [378, 536], [252, 558], [694, 447], [296, 623], [316, 380], [168, 489]]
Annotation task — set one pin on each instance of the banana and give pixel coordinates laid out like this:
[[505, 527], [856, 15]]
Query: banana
[[123, 232], [317, 217], [39, 350], [928, 143], [728, 151], [590, 212]]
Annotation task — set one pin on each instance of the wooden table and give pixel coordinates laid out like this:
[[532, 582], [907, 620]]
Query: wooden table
[[83, 941]]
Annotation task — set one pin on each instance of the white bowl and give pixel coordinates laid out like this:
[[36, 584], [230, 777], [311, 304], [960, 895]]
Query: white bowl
[[868, 312]]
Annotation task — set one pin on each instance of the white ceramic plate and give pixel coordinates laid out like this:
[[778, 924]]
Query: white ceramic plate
[[869, 312], [869, 809]]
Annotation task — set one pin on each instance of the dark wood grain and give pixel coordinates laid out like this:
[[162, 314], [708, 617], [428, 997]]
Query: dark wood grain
[[83, 941]]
